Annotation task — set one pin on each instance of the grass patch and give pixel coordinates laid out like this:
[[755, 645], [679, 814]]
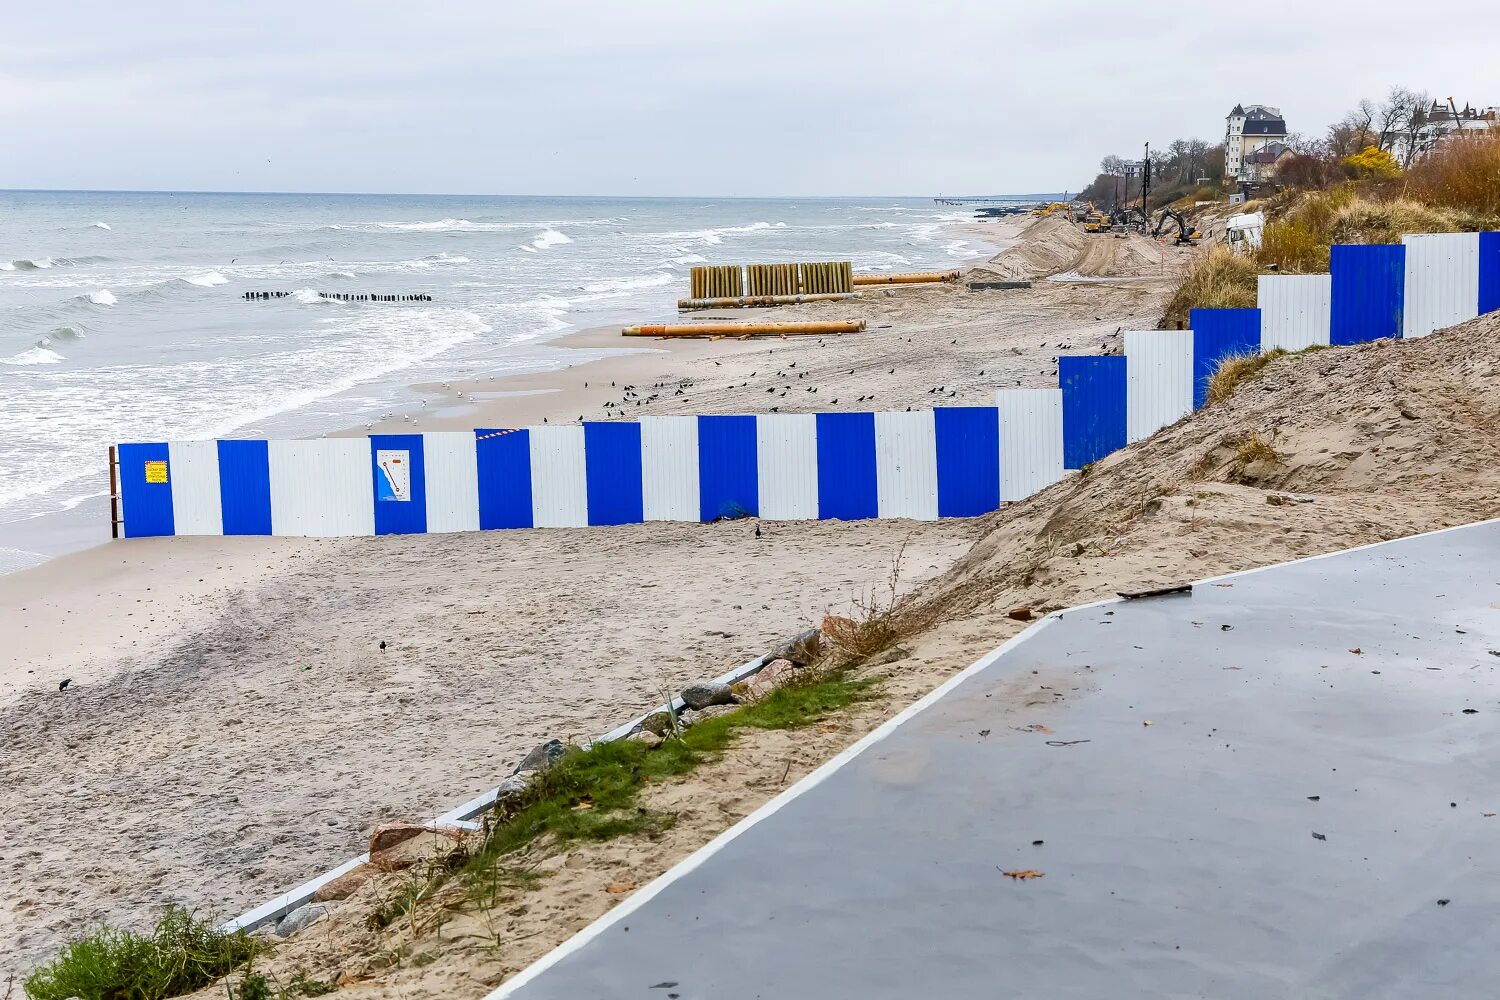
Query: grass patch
[[179, 955], [1255, 448], [593, 794], [1235, 370]]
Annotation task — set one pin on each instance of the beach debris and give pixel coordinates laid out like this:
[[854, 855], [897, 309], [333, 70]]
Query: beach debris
[[1022, 874], [706, 693], [542, 757], [1318, 836], [1066, 743], [1021, 614], [1183, 588], [1444, 902], [62, 685], [802, 648], [617, 888], [1314, 798], [303, 916], [1357, 651], [345, 885]]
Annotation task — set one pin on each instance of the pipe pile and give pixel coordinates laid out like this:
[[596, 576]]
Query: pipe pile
[[731, 329], [909, 278], [757, 301]]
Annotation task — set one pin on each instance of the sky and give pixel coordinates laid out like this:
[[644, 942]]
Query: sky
[[647, 97]]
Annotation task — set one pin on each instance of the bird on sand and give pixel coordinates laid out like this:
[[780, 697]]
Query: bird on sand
[[757, 531], [63, 684], [382, 645]]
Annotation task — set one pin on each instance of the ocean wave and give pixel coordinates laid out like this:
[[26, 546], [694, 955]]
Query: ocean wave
[[447, 258], [207, 280], [310, 297], [549, 238], [64, 333], [715, 236], [629, 284], [28, 264], [465, 226], [35, 356], [690, 258], [102, 225], [103, 297], [341, 274]]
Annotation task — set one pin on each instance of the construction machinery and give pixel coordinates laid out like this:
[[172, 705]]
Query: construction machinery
[[1186, 235], [1243, 232], [1056, 206]]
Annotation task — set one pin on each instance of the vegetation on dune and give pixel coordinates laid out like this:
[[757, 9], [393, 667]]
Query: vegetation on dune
[[179, 955], [1220, 280]]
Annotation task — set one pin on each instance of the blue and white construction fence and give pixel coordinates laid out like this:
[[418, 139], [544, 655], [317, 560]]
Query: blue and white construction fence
[[956, 461]]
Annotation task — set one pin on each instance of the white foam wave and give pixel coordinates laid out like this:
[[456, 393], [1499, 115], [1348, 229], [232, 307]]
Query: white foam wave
[[466, 226], [447, 258], [714, 237], [341, 274], [103, 297], [690, 258], [549, 238], [208, 280], [28, 264], [629, 284], [35, 356], [310, 297], [102, 225]]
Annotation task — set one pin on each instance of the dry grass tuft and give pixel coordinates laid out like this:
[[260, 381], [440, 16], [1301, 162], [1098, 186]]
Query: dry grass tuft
[[1255, 448], [1463, 174], [1220, 280], [1237, 369]]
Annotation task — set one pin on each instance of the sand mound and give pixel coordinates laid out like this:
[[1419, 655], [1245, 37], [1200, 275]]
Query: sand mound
[[1056, 246], [1387, 439]]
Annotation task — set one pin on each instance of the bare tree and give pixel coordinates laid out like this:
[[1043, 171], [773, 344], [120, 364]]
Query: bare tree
[[1112, 165]]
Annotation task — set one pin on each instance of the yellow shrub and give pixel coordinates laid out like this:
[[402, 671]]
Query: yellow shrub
[[1372, 162]]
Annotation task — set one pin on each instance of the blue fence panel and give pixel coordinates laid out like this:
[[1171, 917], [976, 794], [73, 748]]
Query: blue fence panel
[[245, 487], [847, 487], [728, 479], [968, 459], [395, 513], [1369, 288], [1489, 272], [503, 459], [145, 490], [1220, 334], [612, 464], [1093, 407]]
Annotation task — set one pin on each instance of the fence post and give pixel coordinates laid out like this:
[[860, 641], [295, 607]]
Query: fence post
[[114, 495]]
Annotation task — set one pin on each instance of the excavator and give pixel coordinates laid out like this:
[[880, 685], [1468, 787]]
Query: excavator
[[1186, 235]]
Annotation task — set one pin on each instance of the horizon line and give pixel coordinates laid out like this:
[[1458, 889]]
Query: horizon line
[[429, 194]]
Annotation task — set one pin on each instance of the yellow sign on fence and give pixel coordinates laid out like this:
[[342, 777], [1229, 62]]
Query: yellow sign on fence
[[156, 472]]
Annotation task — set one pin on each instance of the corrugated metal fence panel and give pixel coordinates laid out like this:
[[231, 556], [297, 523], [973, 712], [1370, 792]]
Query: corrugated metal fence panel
[[1158, 380], [1441, 286], [503, 460], [1489, 272], [1295, 310], [669, 468], [728, 476], [194, 477], [968, 460], [452, 480], [1369, 284], [612, 456], [1093, 407], [786, 462], [906, 465], [1031, 441], [321, 488], [398, 479], [559, 478], [145, 489], [245, 487], [1219, 334], [848, 476]]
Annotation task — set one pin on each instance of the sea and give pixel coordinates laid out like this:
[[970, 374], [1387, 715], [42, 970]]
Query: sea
[[123, 318]]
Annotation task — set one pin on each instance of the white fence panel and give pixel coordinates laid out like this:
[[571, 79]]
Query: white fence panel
[[559, 478], [669, 468], [193, 473], [1296, 310], [786, 459], [1442, 282], [1158, 380], [1031, 441], [451, 465], [322, 488], [906, 465]]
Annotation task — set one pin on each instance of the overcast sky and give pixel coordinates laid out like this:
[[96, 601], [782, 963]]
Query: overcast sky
[[648, 97]]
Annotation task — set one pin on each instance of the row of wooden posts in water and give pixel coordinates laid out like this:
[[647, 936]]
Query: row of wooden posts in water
[[344, 296]]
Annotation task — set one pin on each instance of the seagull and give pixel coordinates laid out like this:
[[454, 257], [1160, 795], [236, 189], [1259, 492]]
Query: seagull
[[63, 685], [382, 645], [757, 535]]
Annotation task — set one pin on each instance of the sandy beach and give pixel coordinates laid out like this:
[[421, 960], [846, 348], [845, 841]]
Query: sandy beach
[[230, 708]]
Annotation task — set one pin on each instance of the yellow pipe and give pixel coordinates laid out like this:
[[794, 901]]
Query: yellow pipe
[[914, 278], [754, 301], [745, 329]]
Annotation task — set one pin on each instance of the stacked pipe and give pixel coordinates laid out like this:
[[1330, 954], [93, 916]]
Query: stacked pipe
[[759, 301], [909, 278], [834, 276], [772, 279], [717, 282]]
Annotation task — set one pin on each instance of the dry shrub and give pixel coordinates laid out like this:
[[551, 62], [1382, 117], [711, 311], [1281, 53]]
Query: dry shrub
[[1462, 173], [1293, 248], [1235, 370], [1387, 221], [1221, 279], [1255, 448]]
